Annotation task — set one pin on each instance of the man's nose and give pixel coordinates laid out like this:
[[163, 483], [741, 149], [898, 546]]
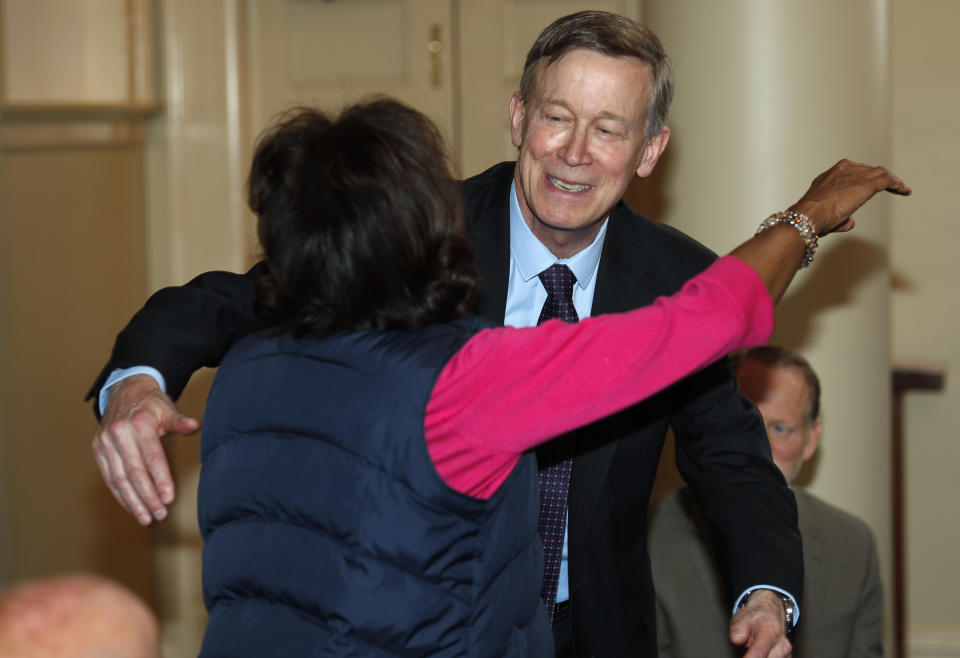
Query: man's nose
[[576, 148]]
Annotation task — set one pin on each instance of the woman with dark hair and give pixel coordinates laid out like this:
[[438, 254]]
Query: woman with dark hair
[[367, 485], [360, 221]]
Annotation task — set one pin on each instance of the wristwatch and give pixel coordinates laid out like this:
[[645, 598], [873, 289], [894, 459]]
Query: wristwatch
[[789, 609]]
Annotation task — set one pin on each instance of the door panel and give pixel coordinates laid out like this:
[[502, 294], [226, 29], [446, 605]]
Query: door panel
[[331, 53]]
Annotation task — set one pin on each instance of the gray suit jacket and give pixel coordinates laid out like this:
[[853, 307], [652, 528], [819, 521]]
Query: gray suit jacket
[[842, 607]]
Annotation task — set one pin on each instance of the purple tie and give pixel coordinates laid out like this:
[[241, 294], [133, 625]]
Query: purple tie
[[555, 458]]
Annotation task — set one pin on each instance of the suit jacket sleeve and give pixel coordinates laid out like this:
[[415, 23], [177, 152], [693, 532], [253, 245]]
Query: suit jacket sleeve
[[183, 328], [723, 454], [664, 639], [722, 450], [867, 640]]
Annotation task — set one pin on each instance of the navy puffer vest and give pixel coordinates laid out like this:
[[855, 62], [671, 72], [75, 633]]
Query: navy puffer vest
[[328, 531]]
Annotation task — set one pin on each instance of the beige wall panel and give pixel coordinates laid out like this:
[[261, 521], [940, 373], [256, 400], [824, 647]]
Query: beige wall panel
[[363, 43], [66, 50], [6, 386], [65, 210], [197, 157], [926, 308]]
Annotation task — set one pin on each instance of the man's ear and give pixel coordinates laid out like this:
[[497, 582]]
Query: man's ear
[[652, 152], [517, 112]]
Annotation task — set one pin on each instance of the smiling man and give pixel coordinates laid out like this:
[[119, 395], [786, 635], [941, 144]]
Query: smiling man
[[579, 128], [590, 115]]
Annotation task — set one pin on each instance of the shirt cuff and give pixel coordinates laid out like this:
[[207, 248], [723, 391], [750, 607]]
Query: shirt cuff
[[120, 374], [796, 606]]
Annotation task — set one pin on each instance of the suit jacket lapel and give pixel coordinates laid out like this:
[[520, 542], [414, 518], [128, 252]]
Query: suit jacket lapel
[[487, 220], [623, 265]]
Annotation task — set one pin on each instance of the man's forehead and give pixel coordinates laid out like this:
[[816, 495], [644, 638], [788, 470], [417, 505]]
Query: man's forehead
[[763, 379], [628, 87], [597, 60]]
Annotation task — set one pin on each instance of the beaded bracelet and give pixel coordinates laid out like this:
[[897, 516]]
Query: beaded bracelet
[[804, 227]]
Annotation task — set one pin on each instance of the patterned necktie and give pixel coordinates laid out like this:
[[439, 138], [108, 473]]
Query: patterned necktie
[[555, 458]]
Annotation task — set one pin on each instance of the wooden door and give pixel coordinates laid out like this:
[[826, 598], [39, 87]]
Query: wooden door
[[330, 53]]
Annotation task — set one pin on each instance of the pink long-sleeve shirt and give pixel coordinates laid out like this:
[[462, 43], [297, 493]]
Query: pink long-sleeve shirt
[[507, 390]]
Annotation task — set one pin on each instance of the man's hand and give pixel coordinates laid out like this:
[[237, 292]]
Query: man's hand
[[127, 447], [761, 627], [835, 194]]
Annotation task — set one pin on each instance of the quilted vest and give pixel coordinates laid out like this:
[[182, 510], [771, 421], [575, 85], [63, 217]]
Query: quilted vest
[[327, 530]]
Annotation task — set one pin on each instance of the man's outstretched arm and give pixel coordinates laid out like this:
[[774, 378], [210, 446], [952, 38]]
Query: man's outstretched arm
[[184, 328], [178, 331]]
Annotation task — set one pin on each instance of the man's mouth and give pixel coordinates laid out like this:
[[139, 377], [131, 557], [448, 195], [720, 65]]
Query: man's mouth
[[568, 187]]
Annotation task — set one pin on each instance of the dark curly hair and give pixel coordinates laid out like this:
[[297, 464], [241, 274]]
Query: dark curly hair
[[360, 222]]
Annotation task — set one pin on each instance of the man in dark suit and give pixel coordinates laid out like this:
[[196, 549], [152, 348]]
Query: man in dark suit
[[843, 594], [589, 116]]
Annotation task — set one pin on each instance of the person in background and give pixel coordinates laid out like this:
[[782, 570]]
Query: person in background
[[75, 616], [589, 116], [842, 590]]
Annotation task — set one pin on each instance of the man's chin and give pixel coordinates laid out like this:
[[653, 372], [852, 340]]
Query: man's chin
[[571, 223], [566, 226], [559, 218]]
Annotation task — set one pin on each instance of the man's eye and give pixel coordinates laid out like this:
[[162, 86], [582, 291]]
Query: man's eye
[[609, 131]]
